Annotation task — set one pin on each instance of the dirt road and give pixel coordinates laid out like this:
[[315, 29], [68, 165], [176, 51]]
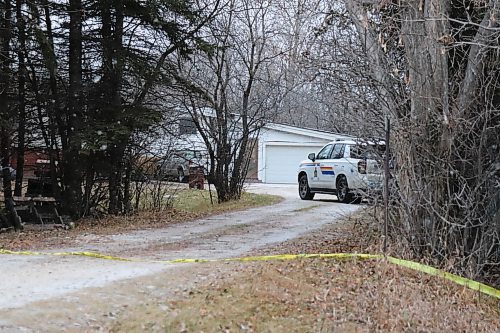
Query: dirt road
[[31, 283]]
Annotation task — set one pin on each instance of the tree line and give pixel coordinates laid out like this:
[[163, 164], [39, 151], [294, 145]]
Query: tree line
[[89, 80], [92, 80], [78, 75]]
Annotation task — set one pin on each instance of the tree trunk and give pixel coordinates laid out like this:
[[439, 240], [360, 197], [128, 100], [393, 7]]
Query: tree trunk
[[54, 111], [5, 154], [112, 48], [116, 155], [127, 196], [375, 55], [72, 199], [21, 103], [5, 111]]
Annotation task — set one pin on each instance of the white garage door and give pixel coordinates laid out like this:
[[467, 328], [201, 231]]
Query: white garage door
[[282, 162]]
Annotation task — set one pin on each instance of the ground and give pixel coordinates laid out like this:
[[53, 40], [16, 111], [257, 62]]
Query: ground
[[81, 294]]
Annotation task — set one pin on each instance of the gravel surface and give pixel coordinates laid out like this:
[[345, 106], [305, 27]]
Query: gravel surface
[[32, 281]]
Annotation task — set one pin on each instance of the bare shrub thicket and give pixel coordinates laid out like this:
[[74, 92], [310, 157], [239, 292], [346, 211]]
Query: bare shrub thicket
[[433, 67]]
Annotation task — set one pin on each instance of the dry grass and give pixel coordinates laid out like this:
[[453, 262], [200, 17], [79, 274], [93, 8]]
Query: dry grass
[[195, 201], [320, 296]]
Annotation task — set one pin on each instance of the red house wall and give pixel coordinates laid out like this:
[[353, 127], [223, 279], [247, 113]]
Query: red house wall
[[30, 158]]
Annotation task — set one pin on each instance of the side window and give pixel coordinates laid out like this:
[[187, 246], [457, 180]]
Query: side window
[[338, 151], [324, 153]]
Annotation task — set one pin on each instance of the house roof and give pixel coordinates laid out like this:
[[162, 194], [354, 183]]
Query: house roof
[[315, 133], [307, 131]]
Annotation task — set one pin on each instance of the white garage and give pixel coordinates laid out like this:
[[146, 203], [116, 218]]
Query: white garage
[[282, 147], [282, 162]]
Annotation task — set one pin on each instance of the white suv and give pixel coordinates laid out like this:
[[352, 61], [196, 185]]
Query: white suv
[[348, 169]]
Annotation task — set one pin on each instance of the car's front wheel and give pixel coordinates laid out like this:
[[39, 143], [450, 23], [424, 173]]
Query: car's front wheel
[[304, 190]]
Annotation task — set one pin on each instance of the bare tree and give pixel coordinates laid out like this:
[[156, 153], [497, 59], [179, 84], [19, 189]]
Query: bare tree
[[434, 68], [233, 89]]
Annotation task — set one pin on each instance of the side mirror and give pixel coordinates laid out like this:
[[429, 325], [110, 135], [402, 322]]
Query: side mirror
[[312, 156]]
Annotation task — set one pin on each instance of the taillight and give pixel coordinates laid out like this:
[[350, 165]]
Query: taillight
[[362, 167]]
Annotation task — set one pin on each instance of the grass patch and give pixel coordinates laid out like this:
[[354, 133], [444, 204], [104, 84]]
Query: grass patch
[[320, 295], [196, 201]]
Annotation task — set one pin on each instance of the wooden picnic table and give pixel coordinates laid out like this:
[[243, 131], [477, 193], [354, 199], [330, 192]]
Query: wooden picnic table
[[37, 209]]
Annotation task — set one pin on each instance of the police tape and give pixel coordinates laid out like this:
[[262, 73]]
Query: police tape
[[468, 283]]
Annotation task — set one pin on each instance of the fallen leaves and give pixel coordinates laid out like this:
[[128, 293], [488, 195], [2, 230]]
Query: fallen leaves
[[313, 295]]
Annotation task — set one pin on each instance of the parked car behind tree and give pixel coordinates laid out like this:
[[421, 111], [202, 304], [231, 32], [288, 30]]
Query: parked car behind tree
[[177, 164]]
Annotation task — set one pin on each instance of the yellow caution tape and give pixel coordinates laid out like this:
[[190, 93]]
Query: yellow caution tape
[[468, 283], [307, 256], [84, 254]]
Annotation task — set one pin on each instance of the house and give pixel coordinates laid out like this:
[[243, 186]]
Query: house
[[34, 159], [277, 150]]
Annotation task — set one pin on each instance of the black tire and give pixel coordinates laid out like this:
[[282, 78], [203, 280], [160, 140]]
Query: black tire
[[343, 194], [304, 190]]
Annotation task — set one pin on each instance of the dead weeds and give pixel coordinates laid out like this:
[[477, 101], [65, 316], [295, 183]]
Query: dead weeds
[[320, 295], [323, 295]]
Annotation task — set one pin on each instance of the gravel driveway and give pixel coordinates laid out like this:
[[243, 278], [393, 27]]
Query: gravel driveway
[[26, 279]]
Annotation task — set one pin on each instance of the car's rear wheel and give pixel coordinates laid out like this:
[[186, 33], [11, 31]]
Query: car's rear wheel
[[343, 194], [304, 190]]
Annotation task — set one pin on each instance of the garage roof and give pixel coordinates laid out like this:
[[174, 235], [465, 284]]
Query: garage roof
[[308, 132]]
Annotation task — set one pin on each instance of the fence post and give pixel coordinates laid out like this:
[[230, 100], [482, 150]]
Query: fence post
[[387, 175]]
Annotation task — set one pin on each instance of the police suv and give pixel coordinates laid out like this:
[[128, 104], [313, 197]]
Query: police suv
[[348, 169]]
